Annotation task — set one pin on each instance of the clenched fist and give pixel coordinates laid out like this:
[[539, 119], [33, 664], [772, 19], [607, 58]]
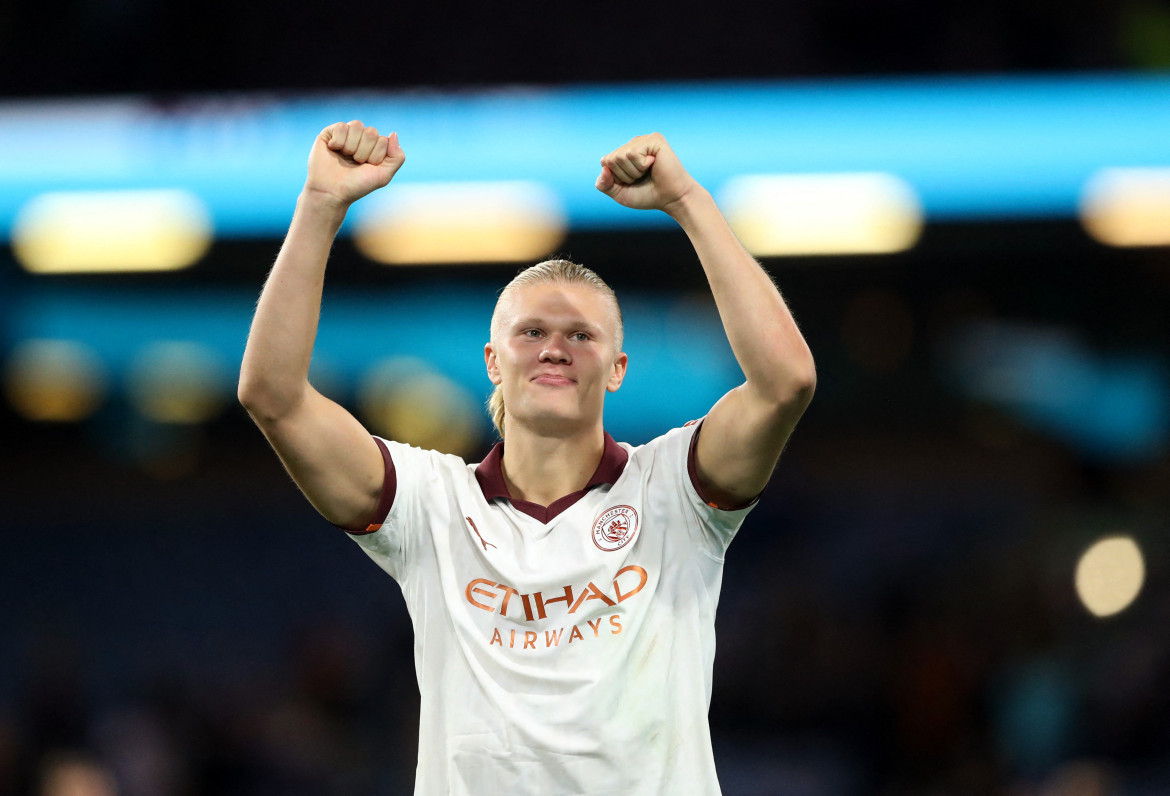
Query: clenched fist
[[351, 160], [645, 174]]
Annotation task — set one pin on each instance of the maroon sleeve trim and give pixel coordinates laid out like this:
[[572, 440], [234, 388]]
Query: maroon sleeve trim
[[693, 472], [386, 500]]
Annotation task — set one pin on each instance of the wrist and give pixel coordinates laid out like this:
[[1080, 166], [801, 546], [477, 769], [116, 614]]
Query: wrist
[[322, 205], [688, 205]]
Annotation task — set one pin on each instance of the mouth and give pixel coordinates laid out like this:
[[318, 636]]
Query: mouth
[[554, 379]]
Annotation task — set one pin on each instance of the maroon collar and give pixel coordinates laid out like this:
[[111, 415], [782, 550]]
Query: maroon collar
[[490, 475]]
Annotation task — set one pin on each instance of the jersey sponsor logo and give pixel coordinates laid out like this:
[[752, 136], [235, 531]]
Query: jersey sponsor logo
[[529, 640], [482, 541], [497, 597], [615, 527]]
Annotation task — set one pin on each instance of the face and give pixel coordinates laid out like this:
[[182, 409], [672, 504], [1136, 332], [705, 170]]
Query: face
[[553, 352]]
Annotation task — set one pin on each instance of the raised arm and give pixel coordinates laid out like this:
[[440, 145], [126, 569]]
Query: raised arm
[[744, 433], [325, 449]]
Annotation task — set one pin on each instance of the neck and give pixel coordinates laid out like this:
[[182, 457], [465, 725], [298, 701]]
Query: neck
[[542, 469]]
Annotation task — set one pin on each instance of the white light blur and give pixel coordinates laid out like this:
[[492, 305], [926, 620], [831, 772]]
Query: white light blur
[[1110, 575], [1128, 207], [111, 231], [809, 214], [472, 222]]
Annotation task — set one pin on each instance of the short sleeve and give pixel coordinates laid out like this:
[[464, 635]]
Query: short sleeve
[[672, 473], [388, 538], [385, 500]]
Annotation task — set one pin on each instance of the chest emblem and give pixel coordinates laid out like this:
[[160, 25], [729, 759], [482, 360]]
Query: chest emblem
[[615, 527]]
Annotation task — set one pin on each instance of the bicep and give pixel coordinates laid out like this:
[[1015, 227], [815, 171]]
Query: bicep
[[331, 457], [740, 443]]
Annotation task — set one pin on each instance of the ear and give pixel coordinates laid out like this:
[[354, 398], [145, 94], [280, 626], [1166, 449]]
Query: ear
[[492, 363], [618, 374]]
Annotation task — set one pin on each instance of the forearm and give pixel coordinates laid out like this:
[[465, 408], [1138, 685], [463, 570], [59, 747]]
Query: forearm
[[275, 370], [764, 337]]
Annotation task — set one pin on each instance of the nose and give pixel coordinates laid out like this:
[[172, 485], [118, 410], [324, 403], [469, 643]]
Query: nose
[[555, 350]]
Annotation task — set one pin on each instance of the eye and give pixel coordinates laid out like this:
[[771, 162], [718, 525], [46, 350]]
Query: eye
[[581, 337], [531, 333]]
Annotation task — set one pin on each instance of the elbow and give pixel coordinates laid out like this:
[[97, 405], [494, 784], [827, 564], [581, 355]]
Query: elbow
[[800, 388], [807, 378], [261, 400], [794, 387], [250, 398], [785, 396], [248, 391]]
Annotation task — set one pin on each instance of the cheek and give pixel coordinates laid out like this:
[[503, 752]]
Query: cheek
[[601, 366], [510, 361]]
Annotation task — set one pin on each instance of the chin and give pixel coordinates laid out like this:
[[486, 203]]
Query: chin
[[549, 422]]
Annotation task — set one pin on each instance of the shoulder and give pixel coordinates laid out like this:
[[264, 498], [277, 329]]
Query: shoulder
[[671, 442], [414, 463], [665, 456]]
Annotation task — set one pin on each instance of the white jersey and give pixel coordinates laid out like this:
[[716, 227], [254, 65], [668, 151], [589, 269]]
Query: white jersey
[[565, 650]]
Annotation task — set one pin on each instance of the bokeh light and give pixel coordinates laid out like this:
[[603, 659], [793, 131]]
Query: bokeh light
[[177, 382], [461, 223], [103, 231], [1110, 575], [405, 400], [1128, 207], [801, 214], [54, 380]]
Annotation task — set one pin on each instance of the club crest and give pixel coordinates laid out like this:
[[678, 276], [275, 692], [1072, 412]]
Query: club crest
[[614, 528]]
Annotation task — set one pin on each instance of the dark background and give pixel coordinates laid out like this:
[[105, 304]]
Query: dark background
[[898, 614], [103, 46]]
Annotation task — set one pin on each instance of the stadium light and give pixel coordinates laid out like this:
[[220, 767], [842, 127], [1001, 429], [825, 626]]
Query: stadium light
[[1110, 575], [1128, 207], [54, 380], [808, 214], [481, 222], [178, 382], [405, 399], [111, 231]]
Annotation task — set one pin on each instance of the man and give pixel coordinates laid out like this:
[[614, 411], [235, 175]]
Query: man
[[562, 591]]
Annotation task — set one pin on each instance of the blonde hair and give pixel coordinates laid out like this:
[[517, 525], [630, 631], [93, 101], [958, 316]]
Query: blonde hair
[[562, 272]]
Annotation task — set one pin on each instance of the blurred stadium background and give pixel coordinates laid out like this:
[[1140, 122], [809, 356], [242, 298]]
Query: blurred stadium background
[[957, 582]]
